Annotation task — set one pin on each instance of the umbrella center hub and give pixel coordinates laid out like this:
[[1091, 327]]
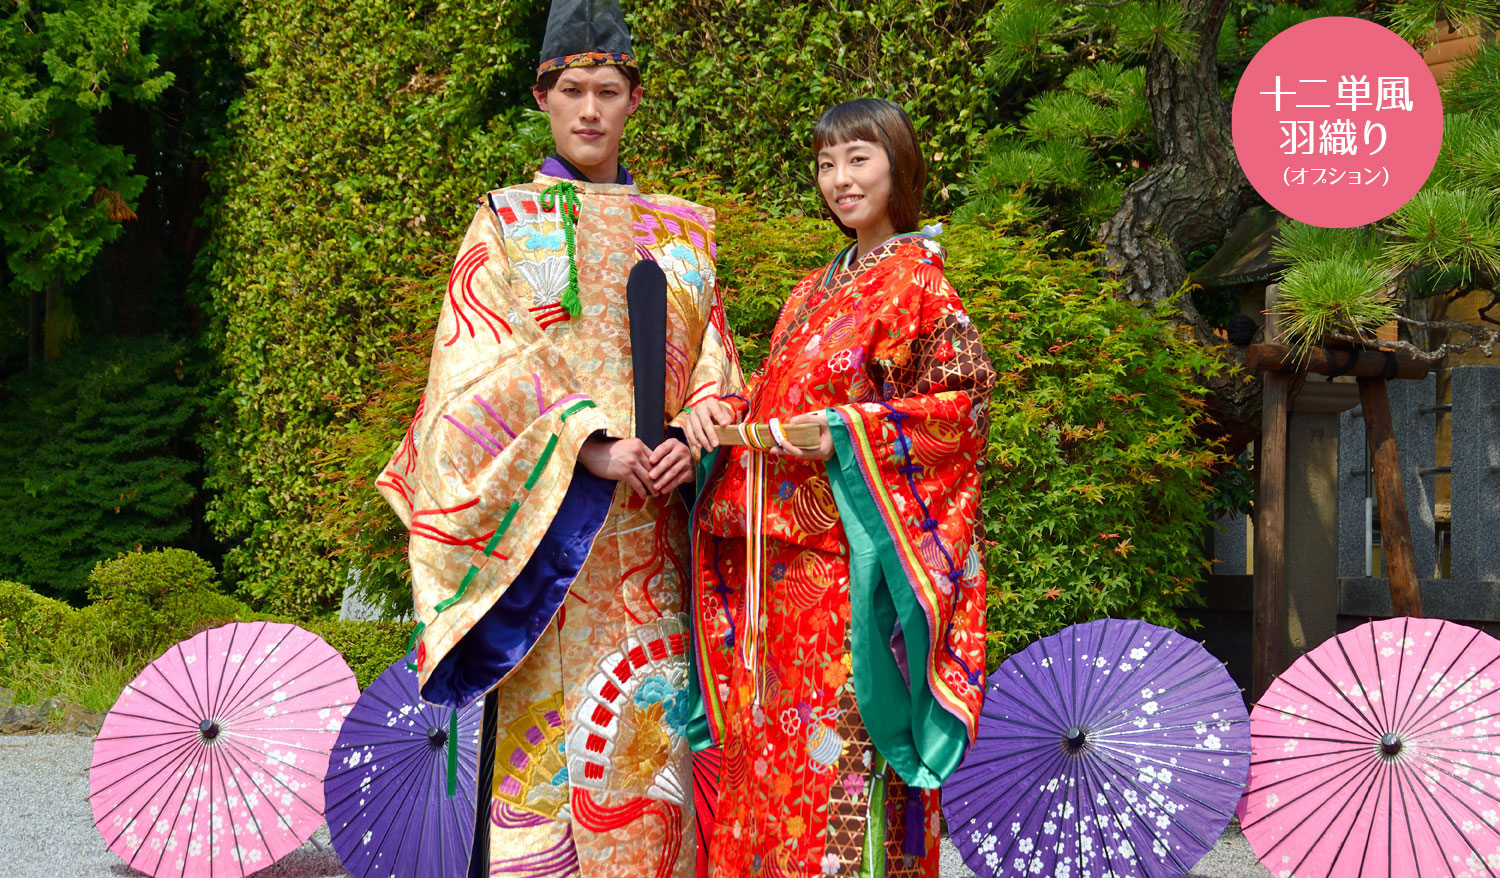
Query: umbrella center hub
[[437, 738], [1074, 738], [209, 730], [1390, 744]]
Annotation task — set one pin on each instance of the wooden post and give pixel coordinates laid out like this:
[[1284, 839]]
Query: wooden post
[[1395, 529], [1269, 628], [1269, 624], [1372, 369]]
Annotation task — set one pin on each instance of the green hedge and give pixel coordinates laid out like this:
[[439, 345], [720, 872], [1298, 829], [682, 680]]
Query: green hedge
[[734, 87], [31, 625], [144, 603], [373, 132]]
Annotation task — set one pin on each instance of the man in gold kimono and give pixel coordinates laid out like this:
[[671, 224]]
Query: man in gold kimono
[[548, 545]]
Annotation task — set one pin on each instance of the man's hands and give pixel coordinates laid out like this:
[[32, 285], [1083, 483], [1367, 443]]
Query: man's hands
[[701, 422], [649, 473]]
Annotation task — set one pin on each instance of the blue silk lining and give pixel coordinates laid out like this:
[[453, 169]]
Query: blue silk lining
[[505, 634]]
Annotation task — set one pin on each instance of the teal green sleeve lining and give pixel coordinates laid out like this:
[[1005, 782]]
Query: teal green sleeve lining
[[922, 742]]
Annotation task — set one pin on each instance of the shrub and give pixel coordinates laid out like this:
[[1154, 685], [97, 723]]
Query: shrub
[[368, 647], [144, 603], [147, 601], [95, 459], [1095, 488], [31, 625]]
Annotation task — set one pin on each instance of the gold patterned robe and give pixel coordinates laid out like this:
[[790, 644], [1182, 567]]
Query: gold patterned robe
[[529, 573]]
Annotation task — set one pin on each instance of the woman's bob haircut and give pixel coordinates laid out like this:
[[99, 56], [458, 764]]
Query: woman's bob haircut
[[877, 121]]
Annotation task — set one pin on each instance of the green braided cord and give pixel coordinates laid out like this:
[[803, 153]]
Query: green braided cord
[[563, 196], [575, 408], [411, 643], [474, 568], [453, 753], [872, 858], [515, 506], [541, 462]]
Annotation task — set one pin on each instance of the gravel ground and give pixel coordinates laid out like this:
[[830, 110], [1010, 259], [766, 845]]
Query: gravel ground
[[1230, 858], [44, 786]]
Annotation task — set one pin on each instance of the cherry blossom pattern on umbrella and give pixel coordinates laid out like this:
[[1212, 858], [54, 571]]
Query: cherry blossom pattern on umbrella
[[211, 762], [1113, 748], [394, 806], [1378, 754]]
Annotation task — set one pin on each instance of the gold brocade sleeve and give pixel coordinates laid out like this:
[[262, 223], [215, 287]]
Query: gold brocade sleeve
[[484, 467]]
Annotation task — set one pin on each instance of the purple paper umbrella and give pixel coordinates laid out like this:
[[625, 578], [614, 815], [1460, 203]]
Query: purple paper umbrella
[[1112, 748], [401, 785]]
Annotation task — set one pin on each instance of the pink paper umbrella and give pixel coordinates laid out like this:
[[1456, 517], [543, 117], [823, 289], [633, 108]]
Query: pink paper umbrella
[[1378, 754], [212, 761]]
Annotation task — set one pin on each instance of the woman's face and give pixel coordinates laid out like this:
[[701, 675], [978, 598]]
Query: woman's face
[[855, 178]]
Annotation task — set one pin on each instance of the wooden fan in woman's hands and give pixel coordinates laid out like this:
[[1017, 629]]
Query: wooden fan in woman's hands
[[759, 436]]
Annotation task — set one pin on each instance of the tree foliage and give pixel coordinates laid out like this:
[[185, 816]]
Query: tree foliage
[[1097, 487], [1444, 242], [96, 457], [62, 64]]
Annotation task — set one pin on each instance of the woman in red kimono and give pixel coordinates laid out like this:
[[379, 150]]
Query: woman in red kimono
[[839, 600]]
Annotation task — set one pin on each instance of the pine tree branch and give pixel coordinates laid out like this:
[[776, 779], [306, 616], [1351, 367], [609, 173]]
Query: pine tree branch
[[1479, 337]]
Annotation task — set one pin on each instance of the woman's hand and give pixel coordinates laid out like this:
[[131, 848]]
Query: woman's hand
[[701, 421], [824, 451]]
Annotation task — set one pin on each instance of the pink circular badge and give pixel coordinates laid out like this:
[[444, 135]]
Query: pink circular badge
[[1337, 122]]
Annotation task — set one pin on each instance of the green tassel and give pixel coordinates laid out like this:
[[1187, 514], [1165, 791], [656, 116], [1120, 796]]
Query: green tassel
[[563, 197], [411, 644], [453, 753]]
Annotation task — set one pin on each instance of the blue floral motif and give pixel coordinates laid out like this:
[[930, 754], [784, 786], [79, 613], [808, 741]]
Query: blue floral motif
[[675, 709], [551, 241], [777, 572], [653, 690], [677, 714], [785, 490]]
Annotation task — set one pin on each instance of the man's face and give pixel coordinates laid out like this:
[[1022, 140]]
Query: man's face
[[588, 108]]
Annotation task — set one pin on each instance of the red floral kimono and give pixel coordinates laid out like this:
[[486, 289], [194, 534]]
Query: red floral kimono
[[839, 607]]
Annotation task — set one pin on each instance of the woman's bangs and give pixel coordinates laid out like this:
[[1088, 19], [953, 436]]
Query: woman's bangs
[[842, 124]]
